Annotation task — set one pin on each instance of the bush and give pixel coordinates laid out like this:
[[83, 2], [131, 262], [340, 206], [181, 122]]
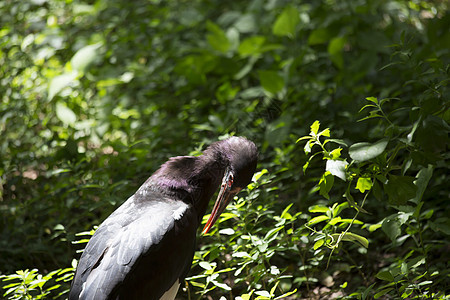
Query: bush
[[88, 87]]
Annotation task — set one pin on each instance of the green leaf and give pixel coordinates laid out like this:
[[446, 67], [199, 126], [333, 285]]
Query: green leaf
[[382, 293], [318, 36], [334, 221], [368, 105], [85, 56], [221, 285], [400, 189], [307, 137], [337, 168], [367, 291], [285, 214], [245, 296], [392, 226], [325, 132], [337, 209], [335, 50], [241, 254], [251, 45], [317, 219], [205, 265], [372, 99], [58, 83], [336, 153], [385, 275], [263, 294], [307, 148], [315, 127], [325, 184], [246, 23], [374, 227], [58, 227], [272, 290], [286, 23], [271, 81], [318, 244], [336, 45], [318, 208], [65, 114], [284, 296], [305, 166], [226, 92], [364, 184], [352, 202], [217, 37], [353, 237], [337, 141], [440, 225], [365, 151], [421, 182], [227, 231]]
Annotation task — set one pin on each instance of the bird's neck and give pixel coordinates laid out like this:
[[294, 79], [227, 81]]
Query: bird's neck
[[190, 179]]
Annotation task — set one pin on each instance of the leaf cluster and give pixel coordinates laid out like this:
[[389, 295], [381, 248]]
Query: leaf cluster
[[95, 95]]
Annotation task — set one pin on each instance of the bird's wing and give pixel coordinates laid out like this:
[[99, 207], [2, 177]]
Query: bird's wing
[[119, 242]]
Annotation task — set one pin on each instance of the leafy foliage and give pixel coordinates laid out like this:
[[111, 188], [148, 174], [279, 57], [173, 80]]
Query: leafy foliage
[[95, 95]]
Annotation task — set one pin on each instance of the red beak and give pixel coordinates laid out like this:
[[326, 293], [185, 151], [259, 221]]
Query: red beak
[[225, 197]]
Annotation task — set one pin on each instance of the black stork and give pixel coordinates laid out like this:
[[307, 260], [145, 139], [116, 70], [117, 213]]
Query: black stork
[[144, 249]]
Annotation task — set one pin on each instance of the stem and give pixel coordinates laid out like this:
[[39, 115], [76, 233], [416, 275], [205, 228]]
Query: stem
[[188, 290], [384, 115], [304, 271], [353, 220], [366, 283], [422, 245], [397, 148]]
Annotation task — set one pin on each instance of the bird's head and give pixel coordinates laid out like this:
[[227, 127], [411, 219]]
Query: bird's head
[[239, 156]]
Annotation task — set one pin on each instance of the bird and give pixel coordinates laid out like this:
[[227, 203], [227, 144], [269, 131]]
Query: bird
[[144, 249]]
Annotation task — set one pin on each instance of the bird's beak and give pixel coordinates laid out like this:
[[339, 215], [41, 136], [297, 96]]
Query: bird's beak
[[225, 197]]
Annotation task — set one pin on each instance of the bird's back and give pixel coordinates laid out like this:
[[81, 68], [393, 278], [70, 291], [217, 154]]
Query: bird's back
[[120, 262]]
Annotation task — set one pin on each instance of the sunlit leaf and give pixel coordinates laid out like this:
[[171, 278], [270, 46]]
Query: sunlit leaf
[[337, 168], [58, 83], [284, 296], [315, 127], [325, 132], [353, 237], [205, 265], [364, 184], [317, 219], [286, 23], [65, 114], [227, 231], [264, 294], [336, 153], [318, 208], [318, 244], [85, 56], [221, 285], [366, 151]]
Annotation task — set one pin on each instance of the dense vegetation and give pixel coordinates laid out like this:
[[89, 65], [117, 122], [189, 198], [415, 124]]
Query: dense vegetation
[[347, 101]]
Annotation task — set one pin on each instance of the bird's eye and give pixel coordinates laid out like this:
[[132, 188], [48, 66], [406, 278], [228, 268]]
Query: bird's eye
[[230, 180]]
